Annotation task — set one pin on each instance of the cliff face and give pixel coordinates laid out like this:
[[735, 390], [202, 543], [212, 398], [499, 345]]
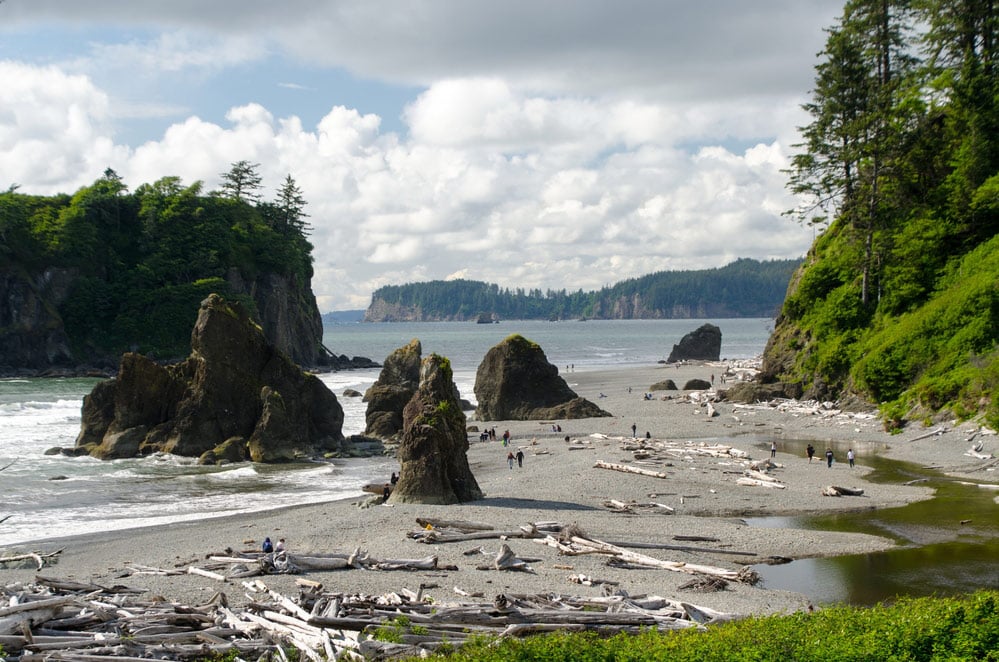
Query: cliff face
[[288, 314], [33, 337]]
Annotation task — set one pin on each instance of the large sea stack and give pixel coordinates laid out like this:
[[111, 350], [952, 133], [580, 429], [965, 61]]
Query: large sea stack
[[433, 453], [515, 382], [701, 344], [396, 384], [235, 397]]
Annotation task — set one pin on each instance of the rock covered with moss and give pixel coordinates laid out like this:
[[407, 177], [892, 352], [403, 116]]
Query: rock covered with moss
[[516, 382], [433, 452], [395, 386], [235, 397]]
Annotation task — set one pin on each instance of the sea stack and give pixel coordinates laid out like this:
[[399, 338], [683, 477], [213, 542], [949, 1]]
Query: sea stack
[[433, 452], [515, 382], [235, 397]]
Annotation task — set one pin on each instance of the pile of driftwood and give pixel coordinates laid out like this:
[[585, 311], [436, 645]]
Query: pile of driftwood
[[74, 622], [569, 540]]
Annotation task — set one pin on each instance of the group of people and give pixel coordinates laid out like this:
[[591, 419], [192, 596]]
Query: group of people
[[488, 435], [851, 457], [268, 547]]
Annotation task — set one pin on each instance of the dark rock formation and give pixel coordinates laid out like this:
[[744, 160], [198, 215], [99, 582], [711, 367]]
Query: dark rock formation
[[516, 382], [666, 385], [235, 397], [387, 397], [32, 336], [696, 385], [750, 392], [702, 344], [434, 464]]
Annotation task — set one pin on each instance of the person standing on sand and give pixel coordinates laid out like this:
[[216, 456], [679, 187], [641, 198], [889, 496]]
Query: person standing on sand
[[829, 457], [773, 449], [811, 452], [509, 459], [520, 458], [634, 430], [506, 438], [851, 457]]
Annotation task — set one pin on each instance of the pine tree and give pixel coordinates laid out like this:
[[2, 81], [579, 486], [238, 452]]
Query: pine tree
[[242, 182]]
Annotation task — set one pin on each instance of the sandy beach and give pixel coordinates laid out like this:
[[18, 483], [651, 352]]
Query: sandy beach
[[558, 482]]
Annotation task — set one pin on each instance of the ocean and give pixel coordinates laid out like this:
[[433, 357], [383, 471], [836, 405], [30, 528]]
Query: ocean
[[51, 496]]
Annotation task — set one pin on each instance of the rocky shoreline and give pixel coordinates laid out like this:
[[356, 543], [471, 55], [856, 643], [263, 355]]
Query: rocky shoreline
[[560, 482]]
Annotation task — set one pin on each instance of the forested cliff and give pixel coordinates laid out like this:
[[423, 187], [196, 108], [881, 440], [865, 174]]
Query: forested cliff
[[898, 299], [744, 288], [85, 277]]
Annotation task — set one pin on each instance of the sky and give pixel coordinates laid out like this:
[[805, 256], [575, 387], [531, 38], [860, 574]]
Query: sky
[[549, 144]]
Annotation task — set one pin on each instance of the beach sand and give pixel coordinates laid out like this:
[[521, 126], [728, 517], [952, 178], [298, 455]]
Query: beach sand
[[559, 484]]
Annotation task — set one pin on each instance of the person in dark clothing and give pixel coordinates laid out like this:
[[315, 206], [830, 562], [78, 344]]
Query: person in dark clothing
[[829, 457], [811, 452], [267, 547], [520, 458]]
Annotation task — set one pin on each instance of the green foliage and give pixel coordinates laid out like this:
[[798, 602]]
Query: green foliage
[[898, 299], [744, 288], [143, 261], [961, 628]]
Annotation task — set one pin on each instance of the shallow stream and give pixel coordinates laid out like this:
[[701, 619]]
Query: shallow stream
[[946, 545]]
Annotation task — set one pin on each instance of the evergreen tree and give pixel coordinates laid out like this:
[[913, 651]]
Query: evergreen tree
[[242, 182], [290, 204]]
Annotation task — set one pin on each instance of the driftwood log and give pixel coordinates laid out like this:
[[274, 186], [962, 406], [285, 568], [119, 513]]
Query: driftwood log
[[629, 469], [837, 490]]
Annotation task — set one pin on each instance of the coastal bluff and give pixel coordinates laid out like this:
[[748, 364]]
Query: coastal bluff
[[236, 397]]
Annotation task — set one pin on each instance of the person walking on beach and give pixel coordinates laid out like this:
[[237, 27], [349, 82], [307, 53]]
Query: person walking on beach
[[851, 457], [506, 438], [634, 431], [773, 449], [829, 457], [509, 459], [811, 452], [520, 458]]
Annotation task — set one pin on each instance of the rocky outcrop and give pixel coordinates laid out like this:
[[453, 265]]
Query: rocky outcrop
[[236, 396], [395, 386], [516, 382], [701, 344], [696, 385], [665, 385], [32, 336], [752, 392], [287, 312], [433, 453]]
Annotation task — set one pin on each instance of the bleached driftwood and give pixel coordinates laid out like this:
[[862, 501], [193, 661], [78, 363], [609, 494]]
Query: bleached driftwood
[[630, 506], [37, 557], [755, 482], [460, 525], [836, 490], [576, 545], [627, 469]]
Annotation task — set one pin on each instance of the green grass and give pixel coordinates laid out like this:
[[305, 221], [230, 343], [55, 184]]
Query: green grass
[[960, 628]]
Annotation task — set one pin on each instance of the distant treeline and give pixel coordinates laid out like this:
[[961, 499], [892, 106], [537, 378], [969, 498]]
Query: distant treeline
[[744, 288]]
